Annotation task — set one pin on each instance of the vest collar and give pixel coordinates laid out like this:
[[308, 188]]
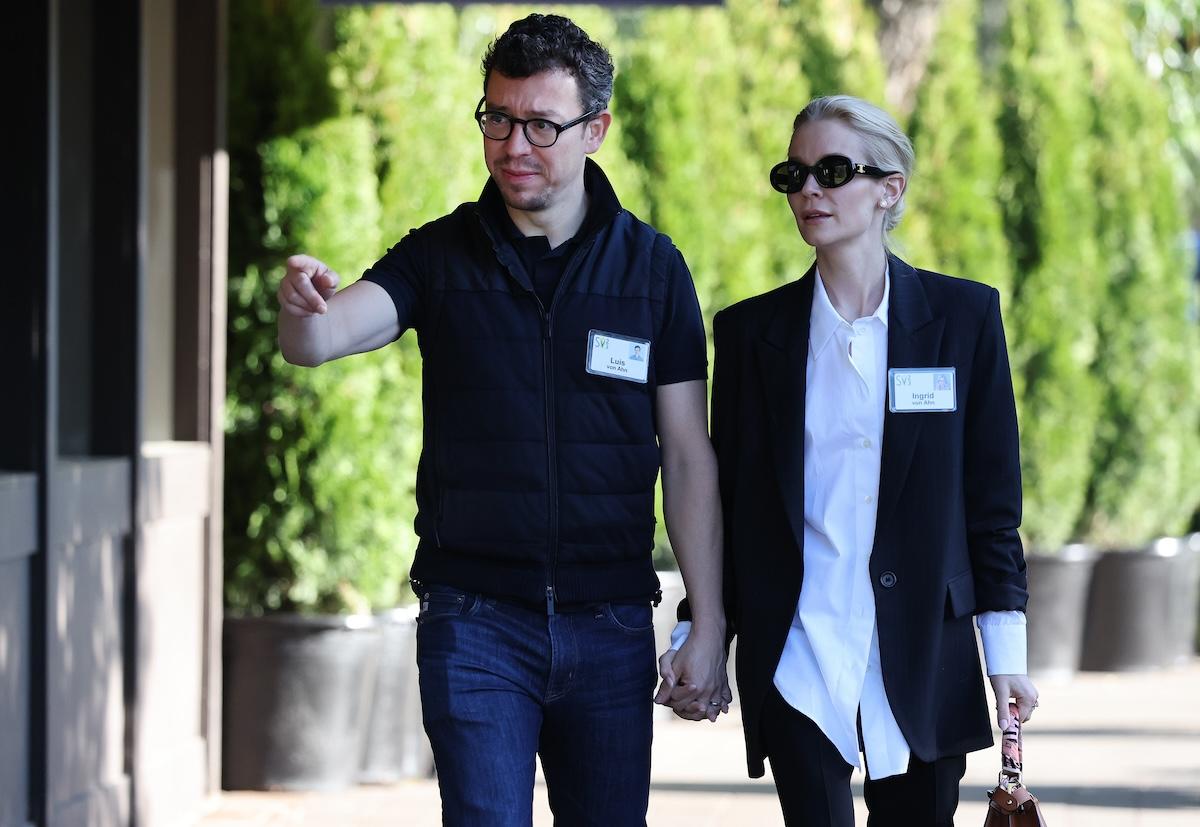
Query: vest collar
[[603, 209]]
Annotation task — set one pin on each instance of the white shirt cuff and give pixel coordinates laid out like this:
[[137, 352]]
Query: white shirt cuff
[[1004, 646], [679, 634]]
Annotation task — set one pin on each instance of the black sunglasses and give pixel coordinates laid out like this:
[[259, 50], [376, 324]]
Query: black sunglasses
[[831, 171], [538, 131]]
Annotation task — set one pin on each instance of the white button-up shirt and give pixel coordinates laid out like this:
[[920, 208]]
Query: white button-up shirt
[[829, 670]]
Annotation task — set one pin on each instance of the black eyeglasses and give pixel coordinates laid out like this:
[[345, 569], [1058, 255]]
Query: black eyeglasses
[[831, 171], [538, 131]]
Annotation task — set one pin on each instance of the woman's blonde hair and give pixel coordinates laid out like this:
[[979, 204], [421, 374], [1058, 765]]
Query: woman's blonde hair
[[886, 144]]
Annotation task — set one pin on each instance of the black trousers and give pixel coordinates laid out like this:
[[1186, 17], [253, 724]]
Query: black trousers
[[813, 781]]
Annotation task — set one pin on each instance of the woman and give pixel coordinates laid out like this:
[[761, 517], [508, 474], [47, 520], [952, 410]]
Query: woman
[[866, 434]]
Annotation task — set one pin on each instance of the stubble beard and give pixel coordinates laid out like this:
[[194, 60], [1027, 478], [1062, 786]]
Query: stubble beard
[[523, 200], [527, 201]]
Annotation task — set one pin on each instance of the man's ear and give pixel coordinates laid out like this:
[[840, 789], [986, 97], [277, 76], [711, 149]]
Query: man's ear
[[595, 130]]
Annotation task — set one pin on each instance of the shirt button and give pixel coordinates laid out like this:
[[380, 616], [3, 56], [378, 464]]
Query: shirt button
[[887, 579], [866, 443], [868, 499]]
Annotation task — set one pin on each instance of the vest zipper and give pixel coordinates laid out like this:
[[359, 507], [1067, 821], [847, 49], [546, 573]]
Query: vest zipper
[[548, 351], [547, 317], [548, 393], [551, 452]]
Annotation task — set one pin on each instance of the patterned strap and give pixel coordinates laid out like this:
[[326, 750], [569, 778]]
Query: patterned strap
[[1010, 749]]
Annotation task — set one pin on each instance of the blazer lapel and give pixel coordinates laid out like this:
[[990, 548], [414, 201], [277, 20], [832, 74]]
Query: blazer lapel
[[783, 357], [914, 340]]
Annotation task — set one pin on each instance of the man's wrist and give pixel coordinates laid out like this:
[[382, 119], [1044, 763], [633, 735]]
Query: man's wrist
[[708, 624]]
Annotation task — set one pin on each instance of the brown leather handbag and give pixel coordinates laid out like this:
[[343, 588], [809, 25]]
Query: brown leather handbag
[[1011, 804]]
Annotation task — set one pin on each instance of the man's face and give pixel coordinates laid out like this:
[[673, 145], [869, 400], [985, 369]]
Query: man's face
[[535, 178]]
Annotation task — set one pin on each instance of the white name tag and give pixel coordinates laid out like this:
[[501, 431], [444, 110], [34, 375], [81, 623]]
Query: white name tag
[[912, 390], [620, 357]]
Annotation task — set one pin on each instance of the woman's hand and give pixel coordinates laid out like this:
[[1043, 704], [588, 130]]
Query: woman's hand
[[689, 697], [1017, 688]]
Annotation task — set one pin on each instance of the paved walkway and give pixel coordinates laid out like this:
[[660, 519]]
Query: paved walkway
[[1102, 750]]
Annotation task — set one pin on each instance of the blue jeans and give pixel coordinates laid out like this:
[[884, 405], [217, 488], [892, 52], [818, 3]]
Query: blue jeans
[[501, 684]]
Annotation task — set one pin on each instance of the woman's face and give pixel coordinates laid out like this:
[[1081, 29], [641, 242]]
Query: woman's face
[[845, 215]]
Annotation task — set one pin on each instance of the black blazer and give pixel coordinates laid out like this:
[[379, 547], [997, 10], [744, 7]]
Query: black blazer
[[946, 544]]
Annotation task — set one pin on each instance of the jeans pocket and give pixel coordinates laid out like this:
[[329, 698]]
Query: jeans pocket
[[441, 601], [632, 618]]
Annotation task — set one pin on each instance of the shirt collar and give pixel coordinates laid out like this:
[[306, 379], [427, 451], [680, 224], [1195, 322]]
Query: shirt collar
[[825, 319]]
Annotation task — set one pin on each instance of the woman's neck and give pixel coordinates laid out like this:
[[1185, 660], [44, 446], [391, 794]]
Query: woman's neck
[[853, 278]]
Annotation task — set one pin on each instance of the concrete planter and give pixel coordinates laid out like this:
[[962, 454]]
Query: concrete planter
[[297, 695], [1129, 616], [1183, 598], [396, 747], [1058, 598]]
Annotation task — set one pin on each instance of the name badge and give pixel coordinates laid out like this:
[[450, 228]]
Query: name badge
[[913, 390], [619, 357]]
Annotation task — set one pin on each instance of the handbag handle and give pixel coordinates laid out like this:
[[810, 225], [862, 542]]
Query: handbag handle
[[1010, 750]]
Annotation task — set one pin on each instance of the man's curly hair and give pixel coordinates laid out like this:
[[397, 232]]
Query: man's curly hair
[[542, 42]]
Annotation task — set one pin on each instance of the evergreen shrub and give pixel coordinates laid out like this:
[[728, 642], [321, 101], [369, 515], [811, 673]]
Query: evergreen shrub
[[1144, 476], [1049, 215]]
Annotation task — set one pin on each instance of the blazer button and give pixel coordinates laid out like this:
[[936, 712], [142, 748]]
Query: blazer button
[[887, 579]]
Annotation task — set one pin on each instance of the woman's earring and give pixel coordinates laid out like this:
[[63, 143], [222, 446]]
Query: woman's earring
[[883, 203]]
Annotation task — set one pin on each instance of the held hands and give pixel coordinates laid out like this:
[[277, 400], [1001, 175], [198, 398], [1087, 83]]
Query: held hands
[[306, 287], [1020, 689], [695, 683]]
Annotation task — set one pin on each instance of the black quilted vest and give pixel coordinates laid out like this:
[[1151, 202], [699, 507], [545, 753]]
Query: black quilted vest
[[536, 479]]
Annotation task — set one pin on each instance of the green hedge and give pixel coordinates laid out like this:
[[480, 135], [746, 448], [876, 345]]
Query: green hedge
[[953, 222], [327, 439], [277, 86], [1041, 174], [1144, 473], [1049, 208], [1166, 40]]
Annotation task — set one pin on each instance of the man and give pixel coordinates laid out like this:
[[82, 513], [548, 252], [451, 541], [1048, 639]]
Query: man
[[535, 488]]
